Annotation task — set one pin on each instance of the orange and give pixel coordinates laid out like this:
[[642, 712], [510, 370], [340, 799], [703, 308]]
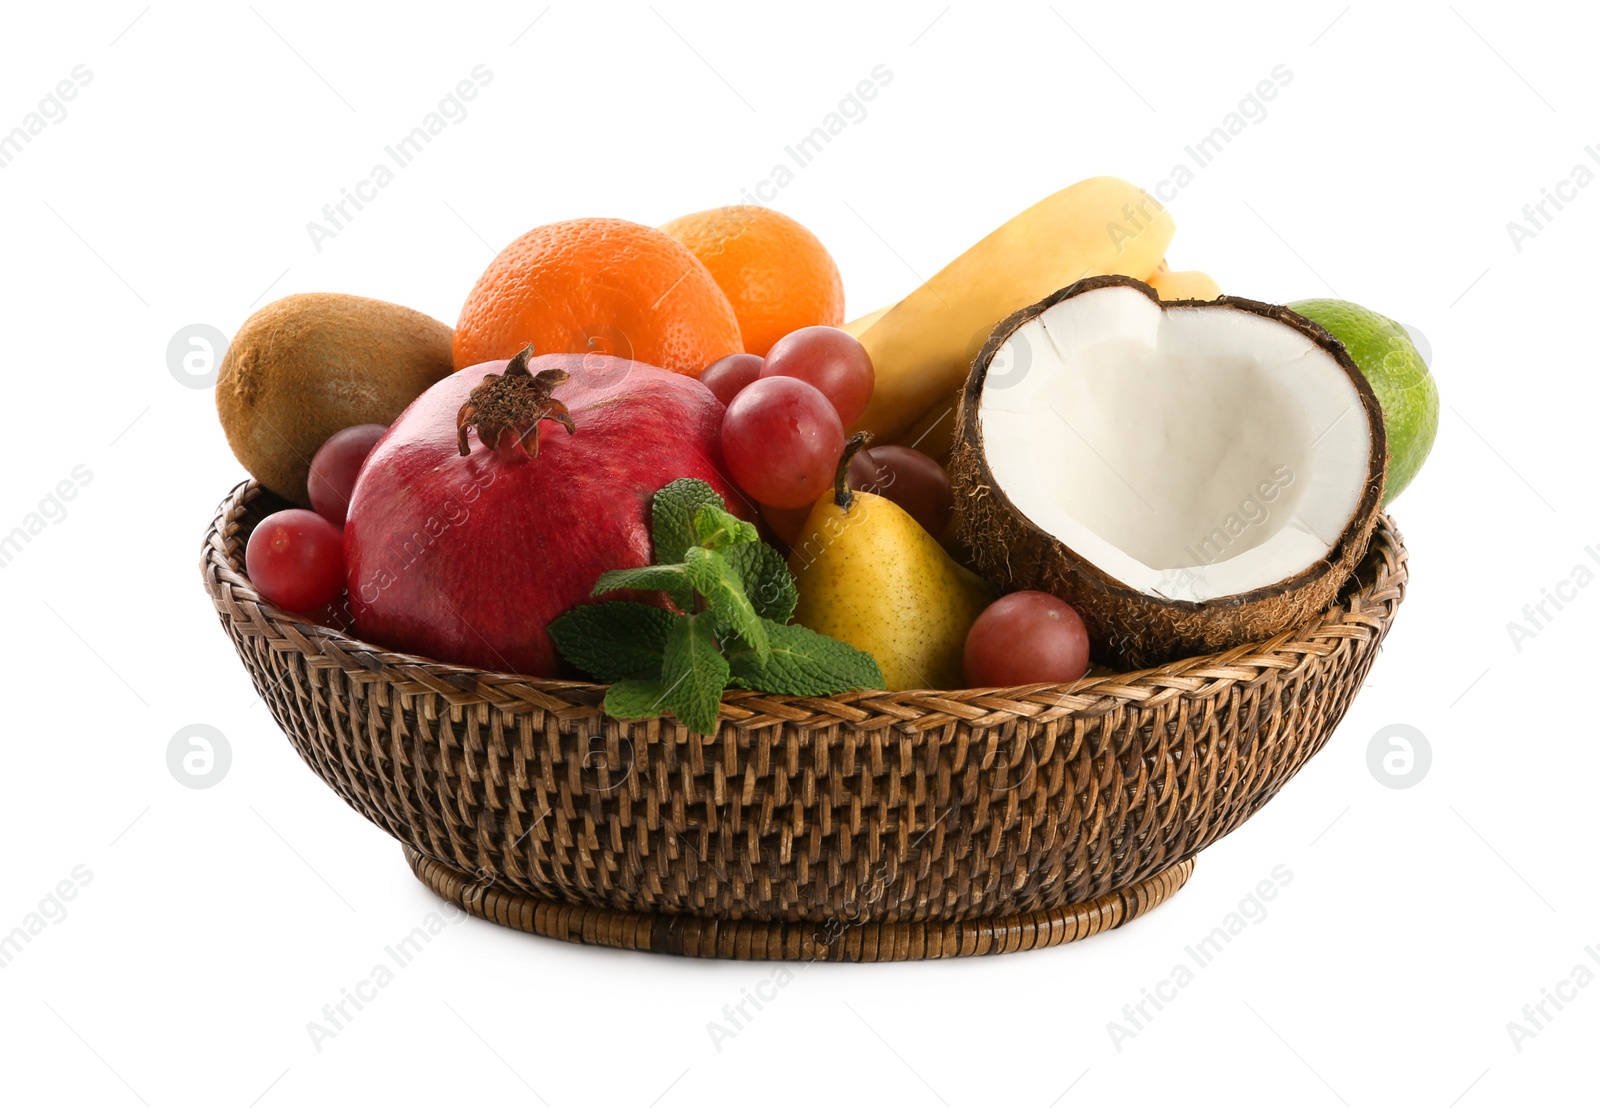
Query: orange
[[598, 285], [778, 275]]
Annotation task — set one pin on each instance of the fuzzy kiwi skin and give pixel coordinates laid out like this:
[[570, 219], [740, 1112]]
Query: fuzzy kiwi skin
[[306, 366], [1127, 628]]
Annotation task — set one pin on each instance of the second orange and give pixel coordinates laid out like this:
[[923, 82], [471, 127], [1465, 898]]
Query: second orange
[[778, 275], [598, 285]]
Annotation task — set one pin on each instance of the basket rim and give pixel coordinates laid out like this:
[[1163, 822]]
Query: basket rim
[[1363, 610]]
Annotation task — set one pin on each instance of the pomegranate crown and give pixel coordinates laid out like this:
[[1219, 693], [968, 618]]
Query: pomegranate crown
[[507, 407]]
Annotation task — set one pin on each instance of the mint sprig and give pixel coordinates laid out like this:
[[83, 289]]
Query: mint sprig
[[802, 663], [619, 640], [734, 596], [767, 582], [693, 672], [636, 699], [719, 582]]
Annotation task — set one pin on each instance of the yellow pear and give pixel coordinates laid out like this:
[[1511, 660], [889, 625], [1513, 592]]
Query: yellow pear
[[868, 574]]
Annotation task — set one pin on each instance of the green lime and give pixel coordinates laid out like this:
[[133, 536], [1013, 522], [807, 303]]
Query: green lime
[[1399, 376]]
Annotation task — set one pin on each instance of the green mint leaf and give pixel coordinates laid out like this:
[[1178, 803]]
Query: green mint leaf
[[726, 602], [650, 578], [635, 699], [802, 663], [615, 640], [715, 528], [768, 584], [694, 673], [672, 515]]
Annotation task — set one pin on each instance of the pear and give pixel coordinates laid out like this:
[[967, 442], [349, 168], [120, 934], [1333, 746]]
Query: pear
[[869, 575]]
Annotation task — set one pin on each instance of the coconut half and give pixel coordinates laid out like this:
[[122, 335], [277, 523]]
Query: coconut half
[[1189, 475]]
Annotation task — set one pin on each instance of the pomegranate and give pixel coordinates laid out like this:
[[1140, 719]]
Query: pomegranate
[[500, 496]]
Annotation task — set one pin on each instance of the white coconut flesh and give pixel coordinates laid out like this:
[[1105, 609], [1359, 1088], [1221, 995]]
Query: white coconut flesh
[[1191, 453]]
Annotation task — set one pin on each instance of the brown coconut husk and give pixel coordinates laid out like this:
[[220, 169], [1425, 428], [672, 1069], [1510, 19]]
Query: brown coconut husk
[[1129, 628]]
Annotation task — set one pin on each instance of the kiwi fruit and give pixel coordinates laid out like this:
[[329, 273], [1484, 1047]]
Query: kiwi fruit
[[306, 366]]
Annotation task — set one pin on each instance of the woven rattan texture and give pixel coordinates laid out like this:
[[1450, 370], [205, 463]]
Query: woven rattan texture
[[834, 939], [863, 808]]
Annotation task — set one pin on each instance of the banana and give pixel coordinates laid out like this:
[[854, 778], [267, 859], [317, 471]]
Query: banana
[[861, 324], [1173, 285], [934, 432], [923, 345]]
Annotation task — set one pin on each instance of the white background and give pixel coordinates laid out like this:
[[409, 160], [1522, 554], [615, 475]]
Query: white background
[[219, 922]]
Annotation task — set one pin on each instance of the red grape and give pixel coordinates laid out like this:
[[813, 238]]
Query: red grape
[[781, 439], [786, 522], [911, 479], [731, 375], [334, 469], [295, 559], [830, 360], [1023, 638]]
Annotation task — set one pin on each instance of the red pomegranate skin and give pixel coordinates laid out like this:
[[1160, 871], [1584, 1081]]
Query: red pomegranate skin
[[467, 559]]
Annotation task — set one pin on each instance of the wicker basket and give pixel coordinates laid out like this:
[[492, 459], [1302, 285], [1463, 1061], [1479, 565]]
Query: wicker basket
[[871, 826]]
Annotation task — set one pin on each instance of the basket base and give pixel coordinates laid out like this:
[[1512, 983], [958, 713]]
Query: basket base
[[737, 939]]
